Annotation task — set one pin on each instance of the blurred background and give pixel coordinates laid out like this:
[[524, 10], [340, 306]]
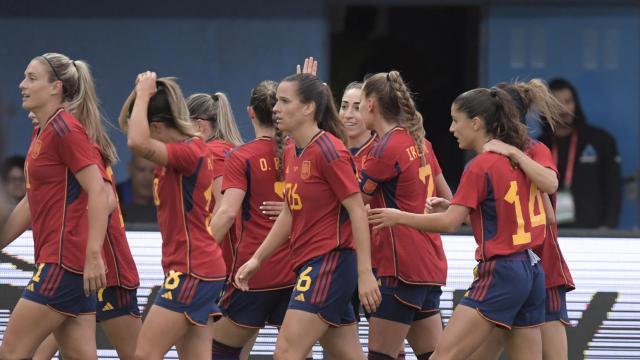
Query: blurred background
[[442, 48]]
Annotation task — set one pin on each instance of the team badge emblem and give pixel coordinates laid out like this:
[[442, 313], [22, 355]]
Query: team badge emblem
[[35, 151], [305, 173]]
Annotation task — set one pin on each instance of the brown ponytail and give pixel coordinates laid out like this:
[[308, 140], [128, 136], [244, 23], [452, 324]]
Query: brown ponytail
[[498, 112], [396, 102]]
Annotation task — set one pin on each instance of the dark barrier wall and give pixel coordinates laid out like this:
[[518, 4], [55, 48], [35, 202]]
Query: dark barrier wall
[[209, 45]]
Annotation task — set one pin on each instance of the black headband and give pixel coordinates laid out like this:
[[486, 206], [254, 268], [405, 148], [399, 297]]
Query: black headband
[[52, 68]]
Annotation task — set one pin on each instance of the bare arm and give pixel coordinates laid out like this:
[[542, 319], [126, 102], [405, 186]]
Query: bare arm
[[227, 212], [545, 179], [17, 223], [139, 136], [100, 205], [448, 221]]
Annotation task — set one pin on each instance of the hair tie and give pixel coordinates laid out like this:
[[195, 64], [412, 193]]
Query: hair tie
[[388, 77], [74, 64], [55, 73], [493, 92]]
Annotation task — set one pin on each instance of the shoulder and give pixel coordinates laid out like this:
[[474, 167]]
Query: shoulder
[[484, 162], [330, 147], [390, 143], [64, 123]]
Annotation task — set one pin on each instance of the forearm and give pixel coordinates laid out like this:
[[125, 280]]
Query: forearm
[[438, 222], [545, 179], [17, 223], [277, 236], [98, 211], [362, 238], [221, 223], [139, 135]]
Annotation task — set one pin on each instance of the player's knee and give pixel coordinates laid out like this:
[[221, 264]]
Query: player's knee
[[285, 351]]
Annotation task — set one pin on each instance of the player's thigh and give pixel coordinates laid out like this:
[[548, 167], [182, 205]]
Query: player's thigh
[[47, 350], [554, 341], [424, 334], [492, 347], [123, 333], [161, 329], [386, 336], [464, 333], [229, 333], [77, 337], [29, 325], [195, 343], [524, 344], [342, 343], [299, 331]]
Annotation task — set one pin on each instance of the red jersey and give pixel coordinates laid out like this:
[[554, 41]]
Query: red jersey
[[183, 194], [317, 178], [59, 216], [121, 269], [393, 175], [359, 155], [556, 271], [219, 150], [507, 213], [253, 168]]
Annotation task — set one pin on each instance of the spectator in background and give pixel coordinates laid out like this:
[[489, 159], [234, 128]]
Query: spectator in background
[[589, 193], [13, 181], [136, 193]]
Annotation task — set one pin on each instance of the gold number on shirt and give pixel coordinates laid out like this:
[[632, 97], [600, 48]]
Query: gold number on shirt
[[294, 200], [110, 175], [426, 176], [304, 280], [278, 188], [36, 277], [521, 236], [208, 196], [156, 198], [173, 280]]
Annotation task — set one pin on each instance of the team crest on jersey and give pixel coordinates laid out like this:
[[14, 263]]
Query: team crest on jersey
[[35, 151], [369, 186], [305, 173]]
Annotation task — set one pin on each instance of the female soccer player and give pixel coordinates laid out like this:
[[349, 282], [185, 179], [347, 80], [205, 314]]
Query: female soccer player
[[402, 172], [537, 163], [322, 195], [507, 218], [157, 121], [67, 205], [117, 306], [251, 177]]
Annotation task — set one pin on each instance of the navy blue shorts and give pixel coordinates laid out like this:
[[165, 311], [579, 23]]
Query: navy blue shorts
[[195, 298], [406, 303], [257, 308], [508, 291], [556, 305], [60, 289], [116, 301], [325, 287]]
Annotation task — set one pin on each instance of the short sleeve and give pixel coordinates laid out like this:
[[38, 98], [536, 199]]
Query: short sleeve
[[183, 156], [340, 174], [234, 172], [472, 188], [376, 170], [76, 149], [541, 154]]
